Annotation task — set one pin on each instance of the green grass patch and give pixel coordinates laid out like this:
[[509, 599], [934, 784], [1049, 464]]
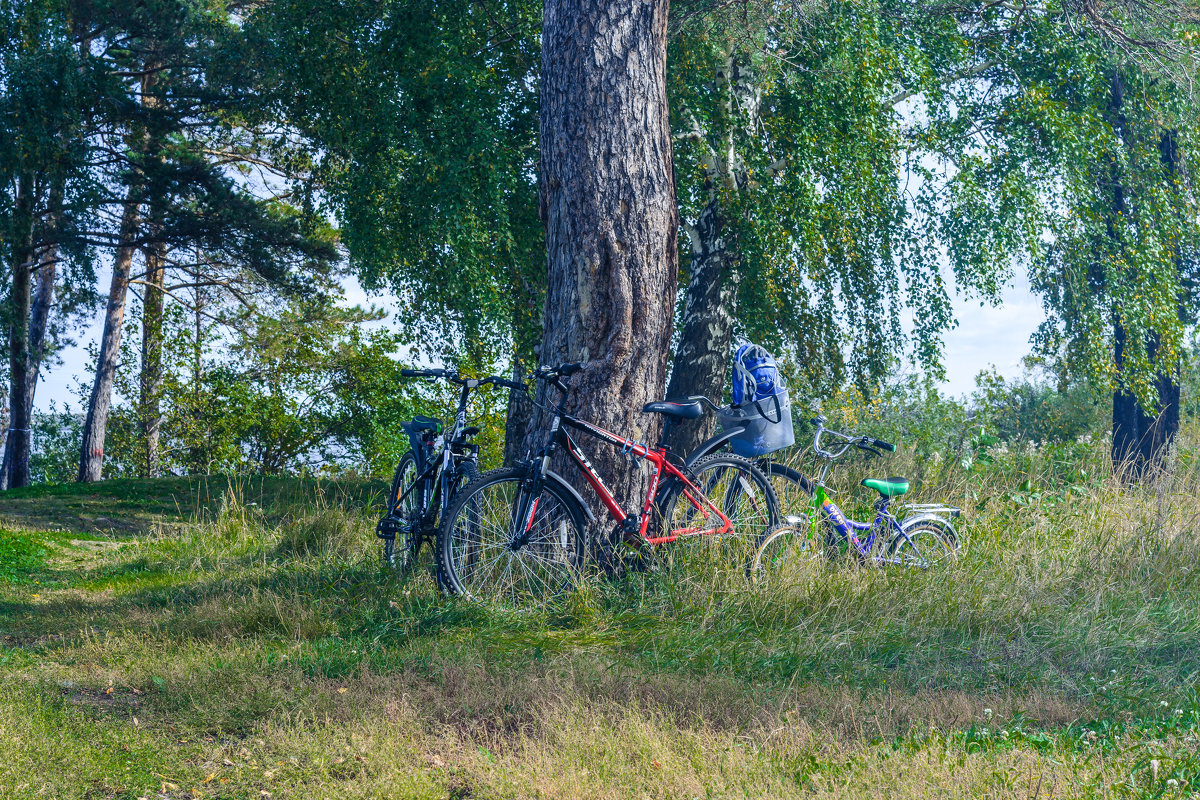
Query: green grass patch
[[248, 642], [22, 555]]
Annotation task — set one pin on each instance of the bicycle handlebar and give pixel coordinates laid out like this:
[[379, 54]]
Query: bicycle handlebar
[[454, 377], [428, 373], [550, 373], [868, 443]]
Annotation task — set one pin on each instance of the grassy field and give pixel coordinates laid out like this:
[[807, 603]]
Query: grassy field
[[188, 638]]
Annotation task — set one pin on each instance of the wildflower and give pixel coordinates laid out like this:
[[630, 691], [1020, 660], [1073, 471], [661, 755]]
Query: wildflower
[[1112, 672], [1163, 703], [1172, 783], [1179, 712], [987, 712]]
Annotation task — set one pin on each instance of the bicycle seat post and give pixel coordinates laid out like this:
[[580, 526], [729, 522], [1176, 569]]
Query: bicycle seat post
[[666, 430]]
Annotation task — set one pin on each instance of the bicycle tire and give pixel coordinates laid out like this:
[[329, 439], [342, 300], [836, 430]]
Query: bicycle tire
[[793, 490], [403, 557], [782, 553], [483, 511]]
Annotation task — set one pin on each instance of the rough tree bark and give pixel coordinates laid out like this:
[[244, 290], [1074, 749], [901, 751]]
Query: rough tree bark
[[150, 377], [91, 457], [607, 197], [15, 470]]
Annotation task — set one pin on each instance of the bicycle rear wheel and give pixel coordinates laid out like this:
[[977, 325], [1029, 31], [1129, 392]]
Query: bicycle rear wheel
[[793, 490], [923, 545], [476, 552]]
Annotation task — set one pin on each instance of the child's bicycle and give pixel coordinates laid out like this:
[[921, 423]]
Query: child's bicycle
[[924, 536], [437, 465]]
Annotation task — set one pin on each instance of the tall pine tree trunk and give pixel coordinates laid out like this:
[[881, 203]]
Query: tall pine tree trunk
[[43, 290], [15, 471], [150, 378], [95, 427], [39, 315], [702, 355], [607, 196]]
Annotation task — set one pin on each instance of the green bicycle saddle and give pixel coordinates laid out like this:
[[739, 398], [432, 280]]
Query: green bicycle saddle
[[889, 487]]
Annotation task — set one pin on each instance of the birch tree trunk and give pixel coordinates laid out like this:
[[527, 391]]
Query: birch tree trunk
[[1158, 428], [701, 360], [607, 197], [702, 355], [1142, 437]]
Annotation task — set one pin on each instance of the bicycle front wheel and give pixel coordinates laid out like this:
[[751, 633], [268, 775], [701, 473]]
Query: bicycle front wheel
[[479, 552], [784, 553]]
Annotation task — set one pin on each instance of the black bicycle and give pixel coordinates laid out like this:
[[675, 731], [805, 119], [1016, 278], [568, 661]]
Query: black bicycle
[[437, 465]]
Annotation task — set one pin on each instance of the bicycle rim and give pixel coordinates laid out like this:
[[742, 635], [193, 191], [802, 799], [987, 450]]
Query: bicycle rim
[[923, 546], [785, 554], [475, 543]]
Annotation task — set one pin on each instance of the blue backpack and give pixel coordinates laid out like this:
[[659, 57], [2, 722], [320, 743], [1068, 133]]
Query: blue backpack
[[755, 375]]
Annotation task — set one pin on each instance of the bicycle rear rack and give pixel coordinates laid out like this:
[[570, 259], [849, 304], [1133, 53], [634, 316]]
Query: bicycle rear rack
[[931, 508]]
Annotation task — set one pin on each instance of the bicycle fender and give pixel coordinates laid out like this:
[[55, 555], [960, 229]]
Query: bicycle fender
[[558, 480], [710, 446], [908, 522]]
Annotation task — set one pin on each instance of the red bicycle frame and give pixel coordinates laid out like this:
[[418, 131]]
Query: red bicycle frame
[[658, 458]]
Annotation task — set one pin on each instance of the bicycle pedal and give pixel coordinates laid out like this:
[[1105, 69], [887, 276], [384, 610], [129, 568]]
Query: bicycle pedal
[[388, 527]]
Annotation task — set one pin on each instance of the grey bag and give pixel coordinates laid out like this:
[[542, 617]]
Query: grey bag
[[767, 425]]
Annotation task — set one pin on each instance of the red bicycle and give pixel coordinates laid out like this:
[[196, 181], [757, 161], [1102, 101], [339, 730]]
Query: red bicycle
[[522, 532]]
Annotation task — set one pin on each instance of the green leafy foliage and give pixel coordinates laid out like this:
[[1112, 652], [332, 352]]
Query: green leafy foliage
[[425, 115]]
